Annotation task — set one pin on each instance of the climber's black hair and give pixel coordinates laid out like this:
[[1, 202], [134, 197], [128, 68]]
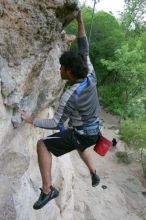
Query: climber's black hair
[[76, 62]]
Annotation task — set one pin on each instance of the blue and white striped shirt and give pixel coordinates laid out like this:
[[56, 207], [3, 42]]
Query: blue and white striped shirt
[[79, 103]]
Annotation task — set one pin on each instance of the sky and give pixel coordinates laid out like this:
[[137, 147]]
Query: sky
[[115, 6]]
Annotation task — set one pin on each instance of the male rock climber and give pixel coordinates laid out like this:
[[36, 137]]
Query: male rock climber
[[79, 103]]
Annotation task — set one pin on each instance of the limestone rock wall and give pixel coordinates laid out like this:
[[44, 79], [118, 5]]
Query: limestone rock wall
[[31, 42]]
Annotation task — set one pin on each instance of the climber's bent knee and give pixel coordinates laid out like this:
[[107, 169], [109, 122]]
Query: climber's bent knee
[[40, 145]]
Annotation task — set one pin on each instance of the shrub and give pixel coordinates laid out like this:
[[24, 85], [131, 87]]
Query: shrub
[[123, 157], [134, 132]]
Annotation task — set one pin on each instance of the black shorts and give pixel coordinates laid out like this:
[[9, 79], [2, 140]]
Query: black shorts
[[63, 142]]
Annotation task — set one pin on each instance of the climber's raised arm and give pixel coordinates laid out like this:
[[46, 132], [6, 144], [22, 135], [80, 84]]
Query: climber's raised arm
[[83, 45], [81, 27]]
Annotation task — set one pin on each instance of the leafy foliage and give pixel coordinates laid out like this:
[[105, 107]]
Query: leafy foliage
[[143, 161], [123, 157], [128, 73], [133, 15], [106, 37], [134, 132]]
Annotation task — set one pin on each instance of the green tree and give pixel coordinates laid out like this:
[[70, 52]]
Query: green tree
[[106, 37], [133, 132], [133, 15], [128, 80]]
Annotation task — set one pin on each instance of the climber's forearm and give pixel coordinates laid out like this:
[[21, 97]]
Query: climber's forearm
[[83, 46], [45, 123], [39, 122], [81, 27]]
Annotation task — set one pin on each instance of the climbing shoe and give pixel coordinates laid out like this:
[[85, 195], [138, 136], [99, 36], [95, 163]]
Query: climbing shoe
[[44, 198], [95, 179]]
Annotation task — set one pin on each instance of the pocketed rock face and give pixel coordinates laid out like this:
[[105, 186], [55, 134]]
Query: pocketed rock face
[[31, 42], [30, 46]]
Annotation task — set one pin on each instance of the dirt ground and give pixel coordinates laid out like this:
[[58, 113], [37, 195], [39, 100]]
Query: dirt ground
[[124, 197]]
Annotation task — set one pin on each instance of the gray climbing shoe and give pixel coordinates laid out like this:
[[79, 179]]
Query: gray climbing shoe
[[44, 198], [95, 179]]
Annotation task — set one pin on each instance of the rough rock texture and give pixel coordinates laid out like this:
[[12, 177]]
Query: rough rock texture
[[31, 41]]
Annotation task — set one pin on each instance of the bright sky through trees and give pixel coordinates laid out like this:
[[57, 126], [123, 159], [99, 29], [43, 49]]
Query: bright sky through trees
[[114, 6]]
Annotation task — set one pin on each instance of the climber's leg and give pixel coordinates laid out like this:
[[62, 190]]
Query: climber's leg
[[45, 164], [86, 157], [48, 192]]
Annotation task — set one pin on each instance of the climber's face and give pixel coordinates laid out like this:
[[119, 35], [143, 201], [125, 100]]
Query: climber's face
[[65, 73], [62, 72]]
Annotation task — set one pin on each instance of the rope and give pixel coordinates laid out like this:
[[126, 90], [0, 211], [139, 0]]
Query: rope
[[92, 21]]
